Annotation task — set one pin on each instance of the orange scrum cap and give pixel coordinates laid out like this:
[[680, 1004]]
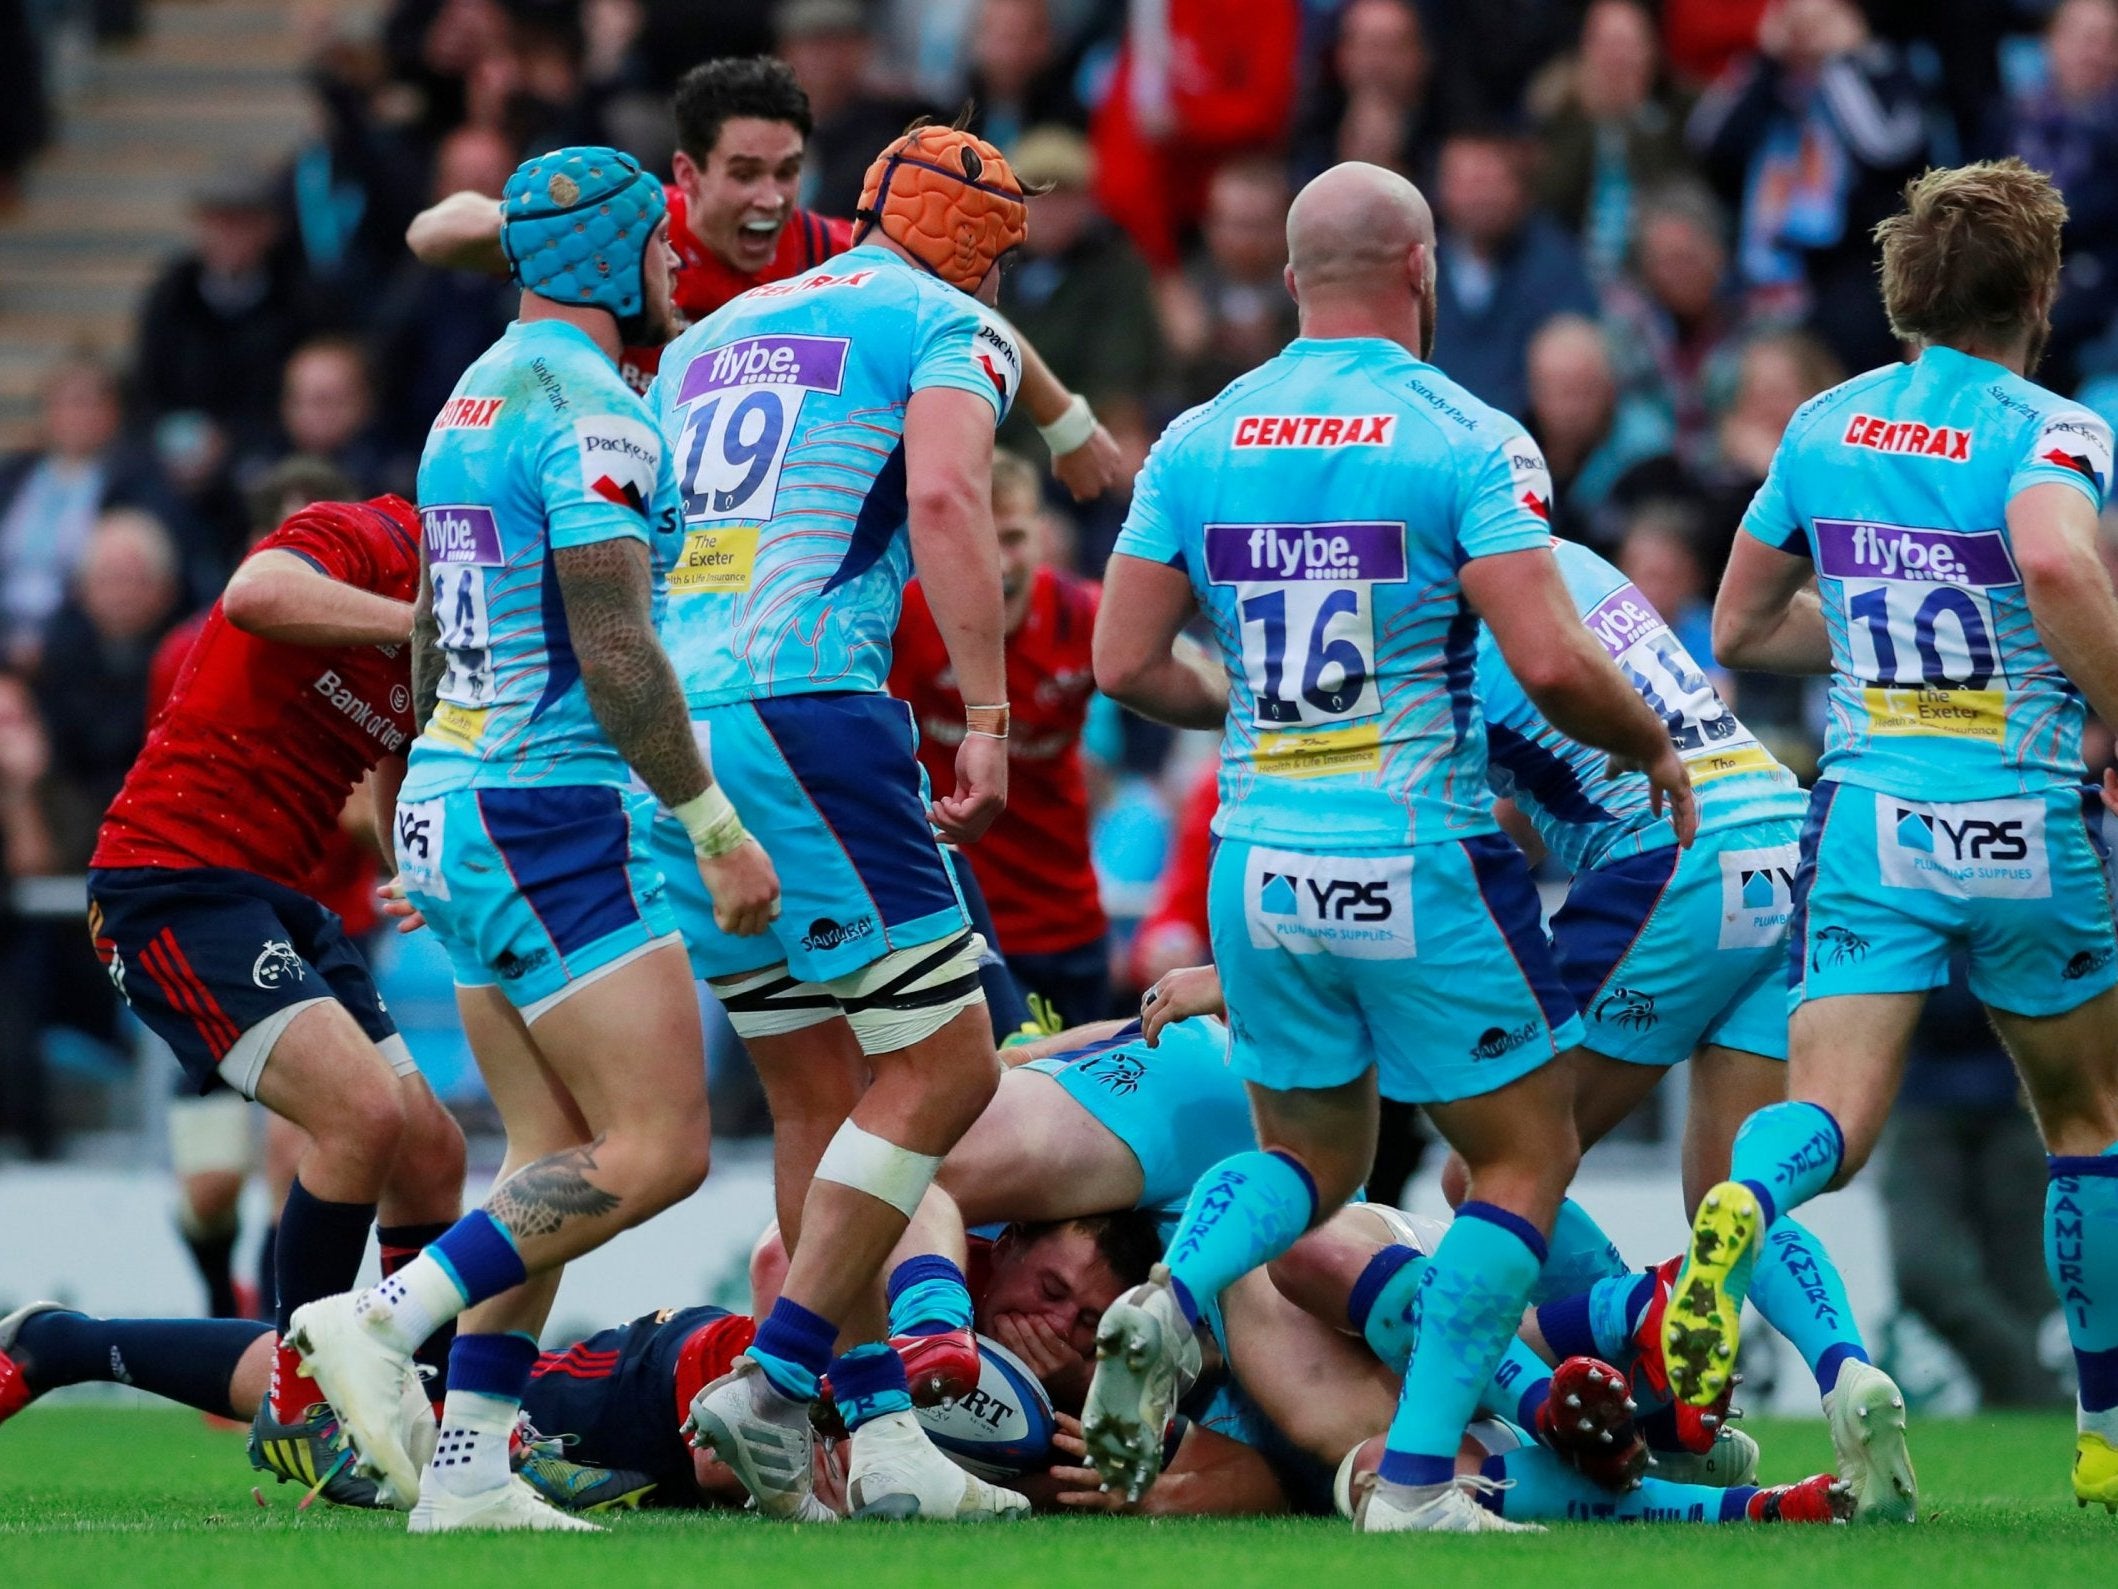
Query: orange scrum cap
[[949, 200]]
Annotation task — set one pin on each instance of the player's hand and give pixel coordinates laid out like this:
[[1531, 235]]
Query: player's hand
[[1043, 1350], [2110, 789], [1194, 990], [744, 888], [981, 790], [397, 905], [1091, 468], [1669, 791], [1086, 1492]]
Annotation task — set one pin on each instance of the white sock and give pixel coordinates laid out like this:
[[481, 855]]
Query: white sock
[[471, 1456], [412, 1304], [2103, 1423]]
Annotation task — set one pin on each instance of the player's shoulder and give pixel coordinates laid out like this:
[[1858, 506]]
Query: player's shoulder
[[1588, 574], [2049, 428], [1830, 408]]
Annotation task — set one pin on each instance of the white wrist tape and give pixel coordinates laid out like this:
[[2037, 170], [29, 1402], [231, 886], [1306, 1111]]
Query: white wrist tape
[[868, 1163], [1075, 424], [711, 821]]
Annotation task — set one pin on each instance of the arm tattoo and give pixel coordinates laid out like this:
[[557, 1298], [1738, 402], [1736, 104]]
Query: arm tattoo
[[426, 652], [538, 1198], [631, 686]]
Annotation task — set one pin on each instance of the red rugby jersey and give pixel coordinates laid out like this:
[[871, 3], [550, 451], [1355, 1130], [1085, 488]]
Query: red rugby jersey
[[346, 874], [1033, 863], [705, 281], [260, 742]]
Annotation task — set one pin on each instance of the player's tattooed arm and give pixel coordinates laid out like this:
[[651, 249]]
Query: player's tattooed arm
[[632, 688], [426, 652], [541, 1197]]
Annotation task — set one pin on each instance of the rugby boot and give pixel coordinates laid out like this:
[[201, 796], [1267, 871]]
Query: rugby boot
[[897, 1474], [1702, 1325], [1587, 1421], [1821, 1498], [764, 1437], [2095, 1469], [1866, 1412], [1146, 1358]]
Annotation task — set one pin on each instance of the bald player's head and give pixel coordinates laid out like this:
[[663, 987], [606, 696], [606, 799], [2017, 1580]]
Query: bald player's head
[[1363, 236]]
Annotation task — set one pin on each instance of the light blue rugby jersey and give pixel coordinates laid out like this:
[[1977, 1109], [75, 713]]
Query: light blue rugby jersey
[[1584, 815], [1897, 485], [542, 446], [786, 412], [1322, 505]]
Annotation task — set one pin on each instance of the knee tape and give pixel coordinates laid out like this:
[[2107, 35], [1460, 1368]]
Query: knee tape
[[770, 1003], [871, 1164], [210, 1133], [910, 994]]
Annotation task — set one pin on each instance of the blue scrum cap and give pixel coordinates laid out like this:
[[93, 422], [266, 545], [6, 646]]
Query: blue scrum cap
[[575, 223]]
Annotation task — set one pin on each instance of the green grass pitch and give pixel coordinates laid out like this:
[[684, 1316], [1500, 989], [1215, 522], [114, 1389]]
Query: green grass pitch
[[95, 1498]]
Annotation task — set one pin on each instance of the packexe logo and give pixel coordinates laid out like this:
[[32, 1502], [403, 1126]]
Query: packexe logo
[[1334, 898]]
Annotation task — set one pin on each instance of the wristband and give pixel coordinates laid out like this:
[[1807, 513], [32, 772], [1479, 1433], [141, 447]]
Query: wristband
[[986, 722], [1072, 429], [711, 821]]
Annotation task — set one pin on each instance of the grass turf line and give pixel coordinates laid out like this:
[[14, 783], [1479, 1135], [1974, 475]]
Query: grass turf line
[[93, 1496]]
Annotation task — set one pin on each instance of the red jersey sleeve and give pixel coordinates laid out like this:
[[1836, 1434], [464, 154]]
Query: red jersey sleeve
[[373, 546]]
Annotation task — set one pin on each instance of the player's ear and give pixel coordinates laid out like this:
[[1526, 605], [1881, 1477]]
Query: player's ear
[[1287, 275], [684, 170]]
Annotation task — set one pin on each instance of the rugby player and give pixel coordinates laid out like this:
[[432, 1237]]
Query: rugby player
[[297, 688], [1033, 865], [742, 123], [1349, 708], [542, 695], [1927, 537], [828, 430], [1675, 954]]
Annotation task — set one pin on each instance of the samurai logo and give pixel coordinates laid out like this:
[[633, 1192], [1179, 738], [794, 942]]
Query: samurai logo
[[1837, 946], [1121, 1073], [1627, 1008], [277, 964]]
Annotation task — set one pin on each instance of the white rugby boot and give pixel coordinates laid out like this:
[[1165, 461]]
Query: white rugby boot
[[1866, 1412], [1146, 1358], [898, 1474], [373, 1388], [1731, 1460], [512, 1506], [1451, 1508], [765, 1437]]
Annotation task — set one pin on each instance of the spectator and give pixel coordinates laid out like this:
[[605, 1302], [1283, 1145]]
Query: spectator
[[1377, 101], [31, 949], [1230, 311], [92, 682], [1674, 327], [1775, 374], [1660, 555], [352, 190], [1019, 80], [50, 496], [327, 411], [1613, 135], [217, 327], [1814, 137], [2068, 126], [1589, 435], [432, 322], [1504, 269], [1033, 863], [1198, 83], [1080, 291], [831, 47], [1962, 1189]]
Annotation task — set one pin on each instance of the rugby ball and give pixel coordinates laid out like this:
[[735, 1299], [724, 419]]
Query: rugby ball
[[1003, 1428]]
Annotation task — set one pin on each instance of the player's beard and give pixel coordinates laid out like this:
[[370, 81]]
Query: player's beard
[[2033, 355]]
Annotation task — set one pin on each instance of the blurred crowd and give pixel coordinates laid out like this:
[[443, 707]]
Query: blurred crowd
[[1654, 245]]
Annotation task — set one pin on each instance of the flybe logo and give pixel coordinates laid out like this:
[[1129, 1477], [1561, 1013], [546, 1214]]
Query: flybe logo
[[461, 534], [1853, 549]]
